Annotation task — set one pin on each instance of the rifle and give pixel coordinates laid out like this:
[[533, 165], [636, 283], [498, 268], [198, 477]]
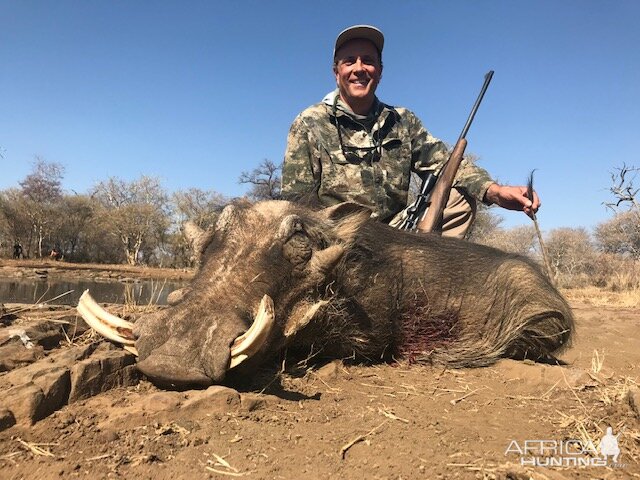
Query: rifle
[[425, 212]]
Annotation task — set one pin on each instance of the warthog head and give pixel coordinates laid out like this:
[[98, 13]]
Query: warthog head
[[274, 274]]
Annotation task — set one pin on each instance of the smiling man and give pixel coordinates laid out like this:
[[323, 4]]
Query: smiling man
[[352, 147]]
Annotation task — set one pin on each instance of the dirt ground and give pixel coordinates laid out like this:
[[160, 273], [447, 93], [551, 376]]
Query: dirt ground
[[336, 420]]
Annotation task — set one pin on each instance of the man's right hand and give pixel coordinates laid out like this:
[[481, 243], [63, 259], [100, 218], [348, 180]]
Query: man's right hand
[[512, 198]]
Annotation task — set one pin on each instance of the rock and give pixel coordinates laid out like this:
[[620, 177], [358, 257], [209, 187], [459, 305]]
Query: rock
[[41, 332], [70, 356], [6, 419], [24, 402], [15, 355], [55, 385], [176, 296], [253, 401], [537, 376], [6, 319], [518, 472], [161, 401], [330, 371], [45, 333], [41, 393], [37, 390], [65, 358], [102, 371], [108, 436], [215, 399], [633, 397]]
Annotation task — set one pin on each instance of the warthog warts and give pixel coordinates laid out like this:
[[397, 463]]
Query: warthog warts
[[340, 282]]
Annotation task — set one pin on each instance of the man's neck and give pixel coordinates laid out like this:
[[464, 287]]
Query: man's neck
[[359, 107]]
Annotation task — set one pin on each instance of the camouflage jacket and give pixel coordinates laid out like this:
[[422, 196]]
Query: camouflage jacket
[[340, 156]]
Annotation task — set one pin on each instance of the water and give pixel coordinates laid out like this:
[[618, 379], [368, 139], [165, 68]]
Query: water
[[140, 292]]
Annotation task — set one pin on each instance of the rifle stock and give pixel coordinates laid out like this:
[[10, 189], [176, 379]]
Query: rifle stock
[[440, 194]]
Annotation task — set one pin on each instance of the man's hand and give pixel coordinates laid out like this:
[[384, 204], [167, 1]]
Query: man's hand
[[512, 198]]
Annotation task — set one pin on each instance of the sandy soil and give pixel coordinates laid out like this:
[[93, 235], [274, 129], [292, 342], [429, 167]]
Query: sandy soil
[[336, 420]]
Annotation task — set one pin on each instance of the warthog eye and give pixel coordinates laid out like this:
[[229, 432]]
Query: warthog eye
[[297, 250]]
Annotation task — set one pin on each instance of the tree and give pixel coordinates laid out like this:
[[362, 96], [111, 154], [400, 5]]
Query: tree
[[264, 180], [199, 207], [42, 189], [521, 239], [76, 213], [620, 235], [624, 190], [571, 253], [14, 220], [486, 225], [135, 212]]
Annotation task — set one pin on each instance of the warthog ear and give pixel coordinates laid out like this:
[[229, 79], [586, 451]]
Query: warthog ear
[[302, 315], [347, 218], [198, 239], [323, 261], [290, 225], [344, 209]]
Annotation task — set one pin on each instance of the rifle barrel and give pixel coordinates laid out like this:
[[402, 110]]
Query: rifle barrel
[[487, 80]]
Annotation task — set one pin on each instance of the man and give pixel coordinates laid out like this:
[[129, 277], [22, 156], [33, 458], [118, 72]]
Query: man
[[17, 250], [352, 147]]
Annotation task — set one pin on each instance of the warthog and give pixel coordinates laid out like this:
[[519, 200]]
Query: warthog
[[338, 281]]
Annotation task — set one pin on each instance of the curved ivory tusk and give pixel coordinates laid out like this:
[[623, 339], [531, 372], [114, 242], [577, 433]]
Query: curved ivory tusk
[[103, 322], [131, 349], [250, 342]]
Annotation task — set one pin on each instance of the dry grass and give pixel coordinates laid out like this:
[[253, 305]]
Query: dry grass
[[587, 422], [601, 297], [132, 304]]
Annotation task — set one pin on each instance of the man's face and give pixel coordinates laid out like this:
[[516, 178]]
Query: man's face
[[358, 71]]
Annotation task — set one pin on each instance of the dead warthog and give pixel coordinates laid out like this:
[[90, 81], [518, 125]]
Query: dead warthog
[[338, 281]]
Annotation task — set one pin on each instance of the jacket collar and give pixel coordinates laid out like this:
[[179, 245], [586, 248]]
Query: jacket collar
[[333, 98]]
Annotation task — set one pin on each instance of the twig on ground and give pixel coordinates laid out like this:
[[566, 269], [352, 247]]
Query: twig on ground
[[359, 438], [277, 375], [223, 462], [545, 394], [574, 393], [35, 448], [459, 399], [12, 454], [230, 474], [376, 386], [231, 471], [331, 389], [99, 457], [392, 416]]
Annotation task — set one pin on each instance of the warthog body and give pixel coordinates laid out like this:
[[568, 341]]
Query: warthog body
[[348, 285]]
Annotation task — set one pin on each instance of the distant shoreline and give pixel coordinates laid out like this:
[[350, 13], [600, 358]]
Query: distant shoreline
[[10, 268]]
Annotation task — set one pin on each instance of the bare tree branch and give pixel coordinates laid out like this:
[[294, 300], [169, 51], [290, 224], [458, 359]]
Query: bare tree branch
[[265, 181]]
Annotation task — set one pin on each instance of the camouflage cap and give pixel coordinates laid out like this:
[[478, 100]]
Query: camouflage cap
[[367, 32]]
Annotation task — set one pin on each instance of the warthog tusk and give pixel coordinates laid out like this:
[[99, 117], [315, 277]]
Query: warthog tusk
[[105, 323], [131, 349], [250, 341]]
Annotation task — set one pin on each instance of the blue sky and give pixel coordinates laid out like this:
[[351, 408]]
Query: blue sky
[[195, 92]]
